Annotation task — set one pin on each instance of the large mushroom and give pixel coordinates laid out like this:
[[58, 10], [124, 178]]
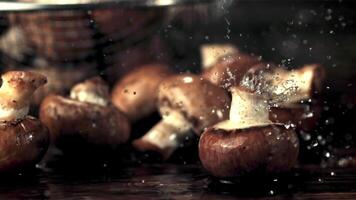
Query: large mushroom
[[249, 142], [186, 102], [137, 93], [87, 115], [23, 139], [295, 92]]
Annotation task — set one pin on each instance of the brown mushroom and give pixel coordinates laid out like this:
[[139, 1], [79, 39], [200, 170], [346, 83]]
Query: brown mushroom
[[249, 142], [185, 102], [23, 139], [87, 115], [285, 88], [230, 69], [136, 94]]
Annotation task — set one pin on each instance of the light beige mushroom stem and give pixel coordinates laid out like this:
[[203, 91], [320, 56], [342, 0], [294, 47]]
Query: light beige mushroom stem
[[247, 110], [284, 87], [93, 91], [166, 135], [211, 53], [16, 91]]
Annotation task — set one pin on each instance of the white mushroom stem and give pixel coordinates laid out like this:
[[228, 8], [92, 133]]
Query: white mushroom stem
[[247, 110], [87, 96], [168, 134], [211, 53], [16, 91], [288, 87]]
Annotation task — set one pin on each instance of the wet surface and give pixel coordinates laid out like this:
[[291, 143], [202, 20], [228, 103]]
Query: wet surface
[[168, 181]]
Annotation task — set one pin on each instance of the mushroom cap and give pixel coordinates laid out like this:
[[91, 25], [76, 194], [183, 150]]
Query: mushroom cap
[[230, 69], [136, 93], [231, 153], [22, 143], [95, 124], [199, 101], [304, 116], [318, 78]]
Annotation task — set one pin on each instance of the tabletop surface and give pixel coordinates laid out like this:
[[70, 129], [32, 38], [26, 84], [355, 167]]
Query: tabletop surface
[[171, 181]]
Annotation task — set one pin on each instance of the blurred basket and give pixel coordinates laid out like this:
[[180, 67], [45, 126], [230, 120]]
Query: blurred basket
[[77, 35], [114, 39], [58, 36]]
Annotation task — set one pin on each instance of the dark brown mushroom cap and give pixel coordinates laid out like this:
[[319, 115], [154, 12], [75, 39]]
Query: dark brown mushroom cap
[[318, 79], [232, 153], [22, 143], [304, 117], [230, 69], [136, 93], [95, 124], [199, 101]]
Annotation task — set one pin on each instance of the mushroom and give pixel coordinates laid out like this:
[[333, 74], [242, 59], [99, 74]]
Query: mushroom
[[87, 115], [249, 142], [136, 94], [230, 69], [186, 102], [286, 88], [23, 139]]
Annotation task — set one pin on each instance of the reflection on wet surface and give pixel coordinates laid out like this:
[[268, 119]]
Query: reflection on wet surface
[[176, 182]]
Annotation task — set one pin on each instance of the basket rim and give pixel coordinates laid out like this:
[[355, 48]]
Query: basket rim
[[10, 6]]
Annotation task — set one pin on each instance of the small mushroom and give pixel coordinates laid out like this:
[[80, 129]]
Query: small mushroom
[[23, 139], [136, 94], [87, 115], [249, 142], [186, 102]]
